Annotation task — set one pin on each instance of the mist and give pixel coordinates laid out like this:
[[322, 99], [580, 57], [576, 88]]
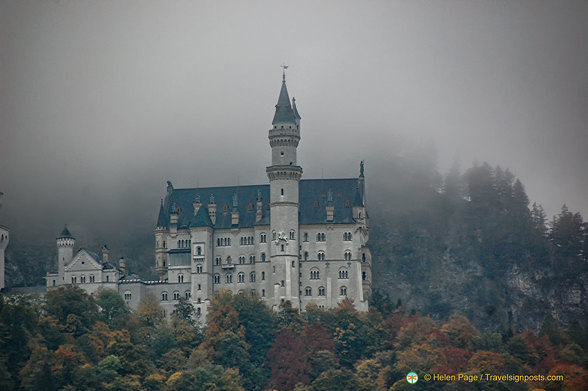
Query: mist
[[102, 102]]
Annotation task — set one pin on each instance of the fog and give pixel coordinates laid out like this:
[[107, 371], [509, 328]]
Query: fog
[[101, 102]]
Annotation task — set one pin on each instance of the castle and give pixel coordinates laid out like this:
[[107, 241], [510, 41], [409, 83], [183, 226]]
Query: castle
[[297, 240]]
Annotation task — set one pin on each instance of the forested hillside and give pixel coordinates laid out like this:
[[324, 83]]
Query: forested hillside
[[71, 341], [468, 242], [473, 243]]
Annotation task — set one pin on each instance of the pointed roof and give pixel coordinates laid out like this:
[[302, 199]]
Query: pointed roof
[[295, 109], [284, 112], [161, 218], [357, 199], [65, 233]]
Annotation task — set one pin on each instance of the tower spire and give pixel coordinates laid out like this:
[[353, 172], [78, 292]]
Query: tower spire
[[284, 113]]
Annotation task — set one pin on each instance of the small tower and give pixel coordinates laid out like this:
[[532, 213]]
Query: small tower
[[65, 247], [284, 177]]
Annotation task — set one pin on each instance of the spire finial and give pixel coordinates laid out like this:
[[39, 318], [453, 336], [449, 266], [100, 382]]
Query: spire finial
[[284, 67]]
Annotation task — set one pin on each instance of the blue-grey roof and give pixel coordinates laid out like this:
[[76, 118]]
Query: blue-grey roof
[[65, 233], [284, 112], [161, 216], [313, 202]]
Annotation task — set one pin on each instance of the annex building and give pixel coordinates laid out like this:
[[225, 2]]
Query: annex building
[[292, 239]]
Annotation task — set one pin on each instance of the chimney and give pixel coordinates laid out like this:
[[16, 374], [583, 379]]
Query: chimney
[[259, 206], [197, 204], [235, 211], [122, 266], [212, 209], [105, 253], [330, 207]]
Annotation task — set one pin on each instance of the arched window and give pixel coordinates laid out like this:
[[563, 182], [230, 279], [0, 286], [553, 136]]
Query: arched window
[[180, 278], [321, 237], [306, 236], [263, 276], [217, 278], [343, 274], [229, 260], [282, 248], [347, 255], [343, 291], [252, 276], [262, 257], [314, 274], [241, 277], [263, 293], [198, 250], [308, 291], [292, 233], [199, 269], [321, 291], [347, 236], [217, 261], [241, 260], [229, 278], [163, 296], [306, 255], [321, 256], [176, 295], [252, 259], [262, 238], [127, 296]]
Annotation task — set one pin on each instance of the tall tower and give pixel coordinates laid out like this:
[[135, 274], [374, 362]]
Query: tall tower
[[65, 247], [284, 177]]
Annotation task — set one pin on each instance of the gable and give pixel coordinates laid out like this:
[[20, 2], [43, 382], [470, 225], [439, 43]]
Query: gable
[[83, 261]]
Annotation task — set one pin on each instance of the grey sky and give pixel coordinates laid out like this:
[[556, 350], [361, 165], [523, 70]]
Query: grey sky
[[100, 100]]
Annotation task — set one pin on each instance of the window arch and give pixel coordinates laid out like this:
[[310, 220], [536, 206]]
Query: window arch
[[199, 269], [176, 295], [217, 278], [127, 296], [180, 278], [343, 291], [252, 259], [163, 296], [252, 276], [321, 255], [262, 237], [262, 257], [292, 234], [314, 273], [306, 236], [306, 255], [343, 274], [321, 291], [347, 255], [241, 260], [229, 278], [241, 277], [308, 291], [347, 236]]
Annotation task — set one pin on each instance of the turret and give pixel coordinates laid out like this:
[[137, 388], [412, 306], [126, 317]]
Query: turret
[[284, 176], [65, 247]]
